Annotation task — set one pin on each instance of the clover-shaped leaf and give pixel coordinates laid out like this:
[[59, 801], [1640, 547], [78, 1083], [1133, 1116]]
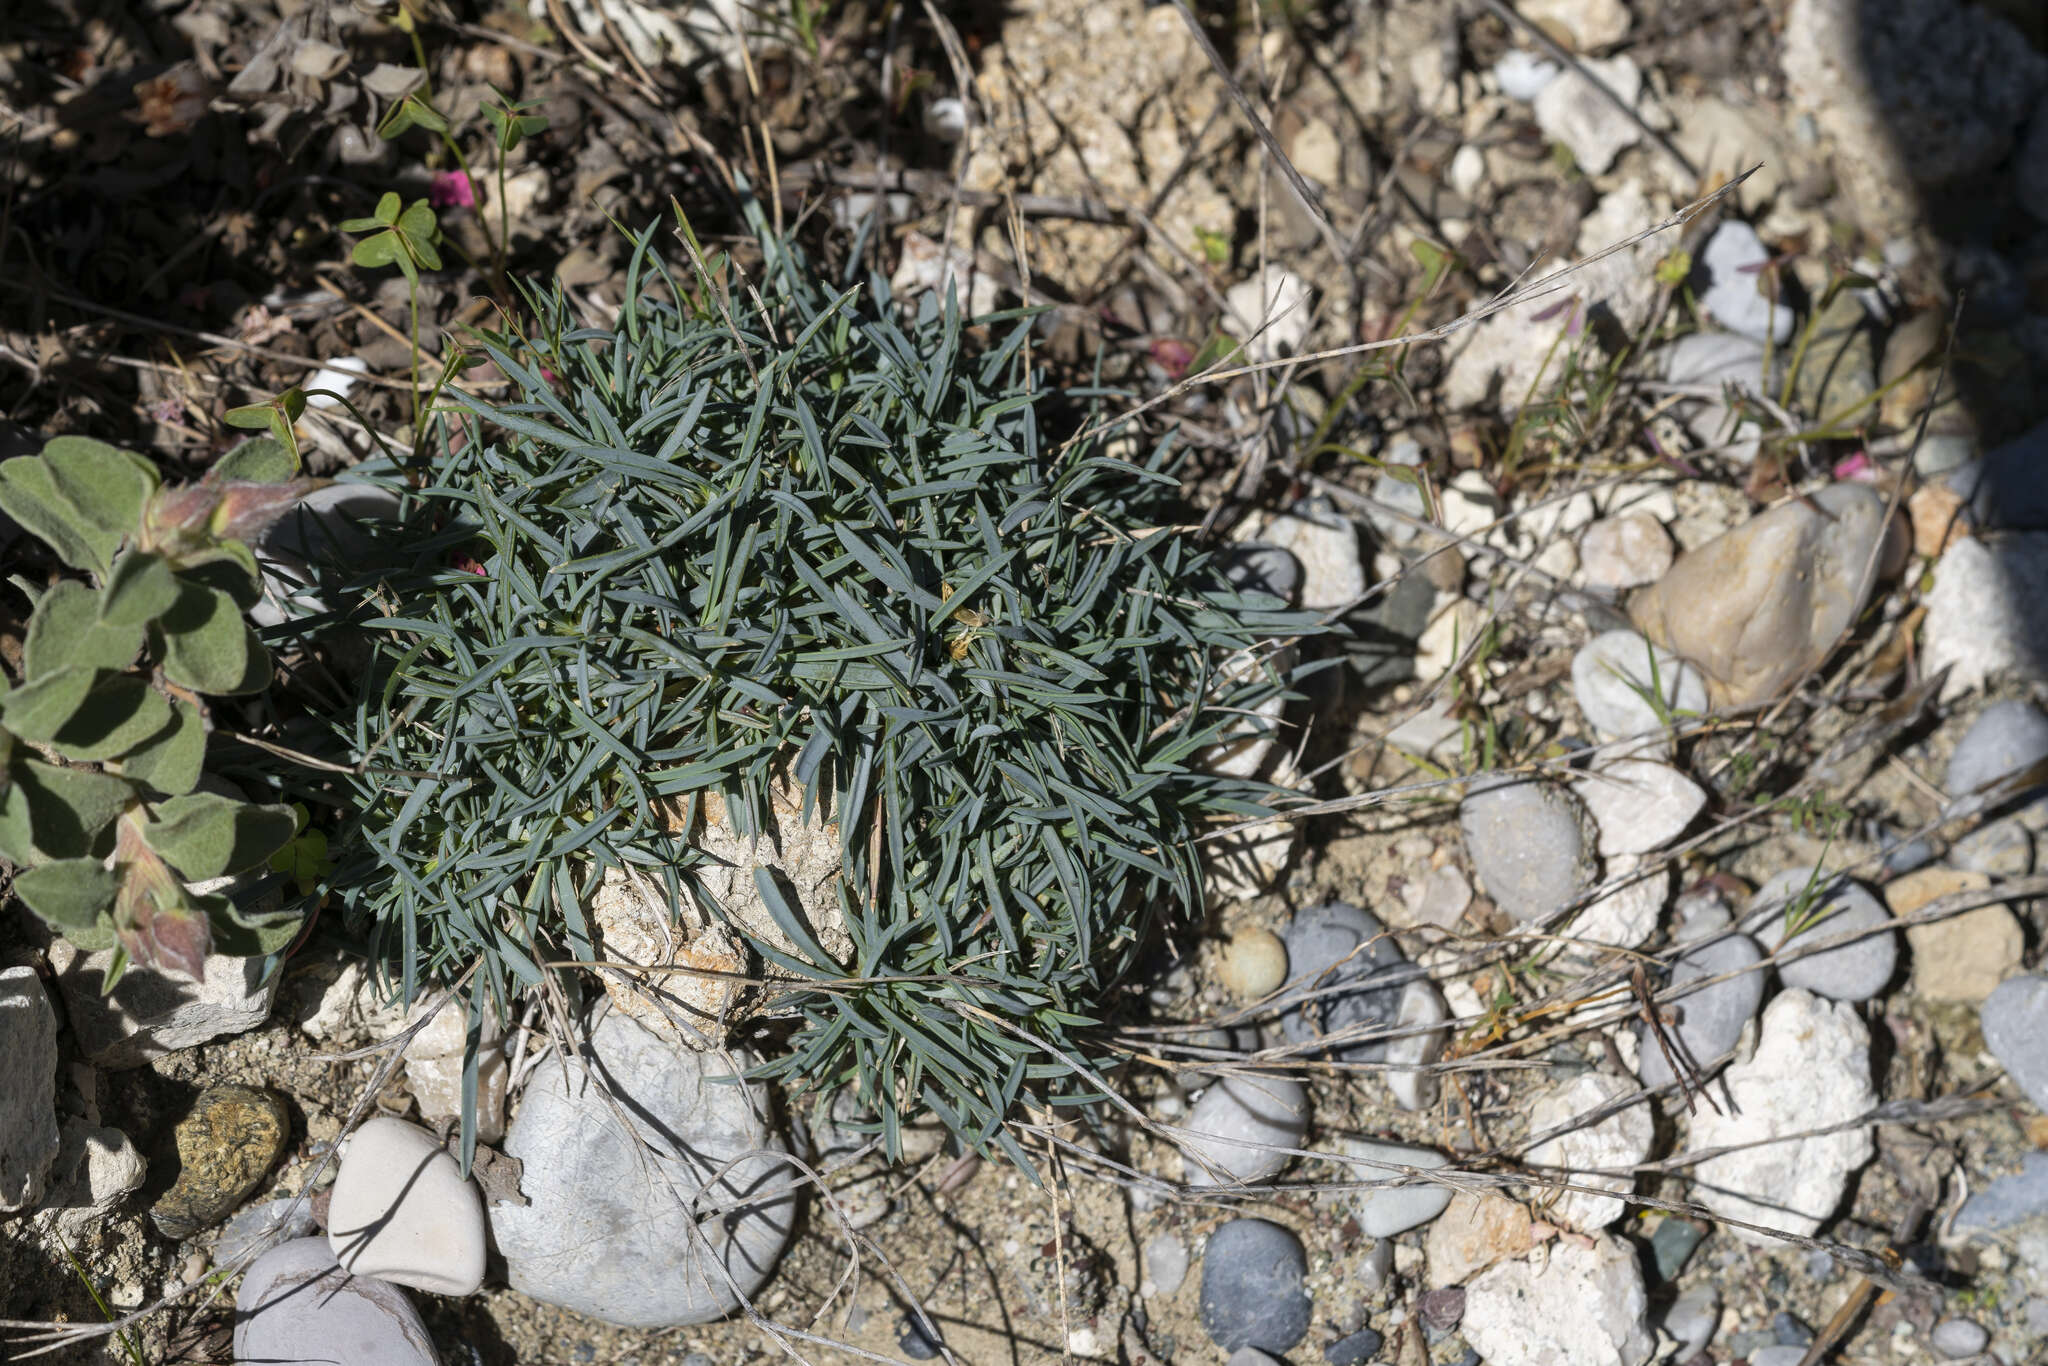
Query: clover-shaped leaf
[[252, 460]]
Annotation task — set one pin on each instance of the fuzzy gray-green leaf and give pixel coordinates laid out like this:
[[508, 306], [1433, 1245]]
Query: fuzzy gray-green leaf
[[38, 709], [205, 835], [171, 761], [140, 589], [209, 648], [69, 632], [120, 712], [48, 812], [68, 893]]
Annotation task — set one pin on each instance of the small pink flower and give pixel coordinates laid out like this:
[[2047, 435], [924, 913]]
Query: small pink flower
[[452, 190], [1857, 467], [1172, 355]]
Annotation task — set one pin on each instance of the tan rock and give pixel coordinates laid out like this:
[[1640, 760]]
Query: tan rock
[[1936, 511], [433, 1069], [1756, 608], [634, 926], [1253, 964], [1473, 1233], [1964, 957]]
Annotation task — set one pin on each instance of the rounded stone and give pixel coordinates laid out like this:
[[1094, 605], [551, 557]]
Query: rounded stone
[[1253, 964], [297, 1307], [1256, 567], [1710, 1020], [402, 1212], [651, 1177], [2014, 1019], [1824, 906], [29, 1139], [2007, 738], [1617, 673], [1236, 1127], [1958, 1338], [226, 1145], [1252, 1295], [1339, 959], [1624, 552], [1385, 1210], [1528, 842]]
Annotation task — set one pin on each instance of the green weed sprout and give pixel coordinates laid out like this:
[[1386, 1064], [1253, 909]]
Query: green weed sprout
[[410, 239], [103, 737], [748, 538]]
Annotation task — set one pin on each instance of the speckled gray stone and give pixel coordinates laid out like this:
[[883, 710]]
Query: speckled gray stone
[[2009, 1200], [2015, 1023], [1529, 843], [1958, 1338], [1252, 1296], [297, 1307], [1336, 946], [1710, 1020], [1856, 971], [28, 1088], [2007, 738]]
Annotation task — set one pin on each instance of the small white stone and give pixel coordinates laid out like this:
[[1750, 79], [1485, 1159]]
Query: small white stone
[[1470, 505], [1572, 111], [1735, 260], [1317, 153], [1582, 1306], [1640, 805], [1591, 23], [1618, 672], [1626, 916], [402, 1212], [1450, 633], [1421, 1004], [1467, 170], [1166, 1263], [1271, 312], [1623, 552], [524, 193], [1332, 563], [946, 119], [434, 1066], [1523, 75], [1809, 1073], [1621, 1139], [338, 376]]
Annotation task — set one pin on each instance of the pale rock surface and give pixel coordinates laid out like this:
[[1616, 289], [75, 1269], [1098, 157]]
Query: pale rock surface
[[1235, 1123], [28, 1089], [1722, 140], [1586, 24], [1316, 152], [433, 1069], [1571, 111], [805, 853], [1580, 1306], [1470, 504], [1247, 864], [339, 1003], [1639, 805], [1332, 563], [1832, 905], [1624, 917], [1475, 1231], [1810, 1071], [1620, 1139], [1105, 98], [297, 1307], [1624, 552], [1725, 370], [1271, 313], [650, 1179], [1252, 964], [1984, 613], [1617, 673], [402, 1212], [1523, 74], [1433, 899], [1964, 957], [928, 267], [1387, 1210], [1692, 1319], [1734, 263], [2006, 740], [1421, 1004], [634, 925], [1455, 623], [1756, 608], [151, 1012], [97, 1167]]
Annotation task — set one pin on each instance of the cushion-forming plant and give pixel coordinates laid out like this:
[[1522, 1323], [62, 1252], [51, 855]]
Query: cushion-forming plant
[[775, 543]]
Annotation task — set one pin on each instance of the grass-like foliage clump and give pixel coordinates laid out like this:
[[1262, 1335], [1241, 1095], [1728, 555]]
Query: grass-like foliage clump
[[768, 533]]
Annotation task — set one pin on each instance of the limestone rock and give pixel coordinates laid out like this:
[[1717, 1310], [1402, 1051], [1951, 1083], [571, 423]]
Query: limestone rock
[[1421, 1004], [1570, 110], [1984, 613], [434, 1065], [402, 1212], [1332, 563], [28, 1088], [1756, 608], [1271, 312], [227, 1144], [634, 926], [151, 1012], [642, 1206], [1475, 1231], [1619, 680], [1639, 805], [1583, 24], [1965, 957], [97, 1168], [1618, 1139], [1624, 552], [1580, 1306], [1810, 1071]]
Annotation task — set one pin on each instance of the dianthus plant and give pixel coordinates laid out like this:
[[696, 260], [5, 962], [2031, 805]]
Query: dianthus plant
[[773, 535]]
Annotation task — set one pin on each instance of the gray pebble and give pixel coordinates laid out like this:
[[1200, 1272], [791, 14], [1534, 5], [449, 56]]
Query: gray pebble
[[915, 1342], [1527, 841], [1252, 1356], [1790, 1330], [1692, 1318], [2015, 1023], [2007, 738], [2003, 848], [1340, 946], [1711, 1019], [1236, 1126], [1360, 1346], [1958, 1338], [287, 1219], [1385, 1211], [1260, 568], [1376, 1267], [1777, 1356], [297, 1306], [1166, 1262], [1854, 972], [2037, 1314], [1252, 1296]]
